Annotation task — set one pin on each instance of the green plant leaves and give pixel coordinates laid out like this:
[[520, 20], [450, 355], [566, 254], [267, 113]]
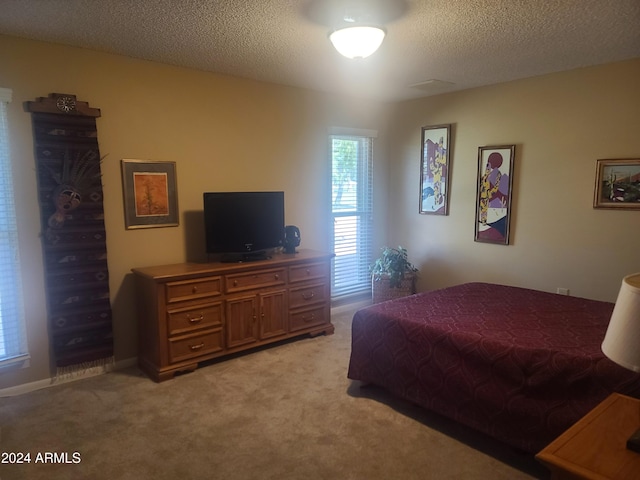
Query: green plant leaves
[[393, 263]]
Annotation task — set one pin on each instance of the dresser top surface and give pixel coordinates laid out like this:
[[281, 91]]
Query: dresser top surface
[[159, 272]]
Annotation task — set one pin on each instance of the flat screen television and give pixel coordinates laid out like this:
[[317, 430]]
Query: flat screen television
[[243, 226]]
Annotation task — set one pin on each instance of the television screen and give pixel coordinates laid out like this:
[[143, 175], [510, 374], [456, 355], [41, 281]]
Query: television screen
[[243, 225]]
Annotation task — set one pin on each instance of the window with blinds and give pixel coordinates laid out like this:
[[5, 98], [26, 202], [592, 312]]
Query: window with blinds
[[352, 216], [13, 344]]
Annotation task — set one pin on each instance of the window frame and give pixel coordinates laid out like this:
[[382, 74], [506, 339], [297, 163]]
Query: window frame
[[362, 214], [13, 338]]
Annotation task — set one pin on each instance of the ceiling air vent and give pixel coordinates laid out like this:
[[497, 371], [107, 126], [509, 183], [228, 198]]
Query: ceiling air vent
[[433, 86]]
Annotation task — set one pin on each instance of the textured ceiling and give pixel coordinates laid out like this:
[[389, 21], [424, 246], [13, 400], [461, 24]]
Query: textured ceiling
[[466, 43]]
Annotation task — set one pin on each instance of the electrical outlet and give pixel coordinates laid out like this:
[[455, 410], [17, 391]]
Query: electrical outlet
[[562, 291]]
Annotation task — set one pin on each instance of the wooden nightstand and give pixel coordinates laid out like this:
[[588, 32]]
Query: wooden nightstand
[[595, 447]]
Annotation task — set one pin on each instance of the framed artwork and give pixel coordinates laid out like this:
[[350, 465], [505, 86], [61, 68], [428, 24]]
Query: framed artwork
[[617, 184], [493, 203], [150, 194], [434, 170]]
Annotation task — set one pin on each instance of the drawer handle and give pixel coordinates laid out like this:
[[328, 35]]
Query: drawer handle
[[196, 347], [308, 296], [196, 319], [308, 271], [235, 283], [310, 318], [276, 276], [194, 289]]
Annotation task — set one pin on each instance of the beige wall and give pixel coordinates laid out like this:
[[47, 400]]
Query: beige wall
[[560, 124], [224, 133]]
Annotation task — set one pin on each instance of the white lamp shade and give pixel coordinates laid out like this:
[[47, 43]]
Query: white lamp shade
[[357, 41], [622, 340]]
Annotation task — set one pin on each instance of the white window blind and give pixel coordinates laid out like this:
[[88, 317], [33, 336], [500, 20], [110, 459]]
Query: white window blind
[[352, 213], [13, 344]]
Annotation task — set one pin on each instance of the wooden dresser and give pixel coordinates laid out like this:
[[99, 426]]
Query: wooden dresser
[[191, 312]]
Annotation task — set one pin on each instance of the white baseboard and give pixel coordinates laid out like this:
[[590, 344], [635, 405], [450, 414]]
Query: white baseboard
[[49, 382]]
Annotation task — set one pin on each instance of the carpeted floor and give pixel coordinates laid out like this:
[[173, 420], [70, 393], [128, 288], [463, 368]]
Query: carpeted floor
[[286, 412]]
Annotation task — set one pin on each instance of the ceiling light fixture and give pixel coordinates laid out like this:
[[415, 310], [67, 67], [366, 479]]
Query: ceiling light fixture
[[358, 41]]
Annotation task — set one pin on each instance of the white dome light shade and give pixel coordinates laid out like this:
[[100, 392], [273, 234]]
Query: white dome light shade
[[357, 41]]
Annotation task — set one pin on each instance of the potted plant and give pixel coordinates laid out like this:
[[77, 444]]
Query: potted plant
[[392, 275]]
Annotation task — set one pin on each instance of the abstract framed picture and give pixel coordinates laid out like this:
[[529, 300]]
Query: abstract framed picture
[[150, 194], [494, 192], [435, 170], [617, 184]]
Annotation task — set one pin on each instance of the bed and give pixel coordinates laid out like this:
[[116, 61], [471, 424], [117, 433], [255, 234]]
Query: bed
[[517, 364]]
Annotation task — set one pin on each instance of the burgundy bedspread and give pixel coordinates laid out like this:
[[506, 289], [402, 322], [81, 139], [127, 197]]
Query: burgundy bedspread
[[519, 365]]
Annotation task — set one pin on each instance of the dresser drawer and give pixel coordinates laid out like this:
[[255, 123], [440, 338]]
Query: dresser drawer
[[239, 282], [303, 296], [190, 289], [311, 271], [308, 318], [203, 316], [190, 346]]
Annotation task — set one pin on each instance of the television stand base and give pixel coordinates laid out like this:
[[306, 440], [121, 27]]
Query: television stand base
[[244, 257]]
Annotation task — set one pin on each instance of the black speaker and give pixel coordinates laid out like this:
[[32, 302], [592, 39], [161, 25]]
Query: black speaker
[[291, 238]]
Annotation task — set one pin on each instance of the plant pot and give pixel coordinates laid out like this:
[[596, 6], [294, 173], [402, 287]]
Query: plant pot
[[382, 291]]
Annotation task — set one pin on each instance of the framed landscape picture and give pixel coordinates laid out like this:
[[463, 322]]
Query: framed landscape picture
[[150, 194], [493, 203], [617, 184], [435, 170]]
